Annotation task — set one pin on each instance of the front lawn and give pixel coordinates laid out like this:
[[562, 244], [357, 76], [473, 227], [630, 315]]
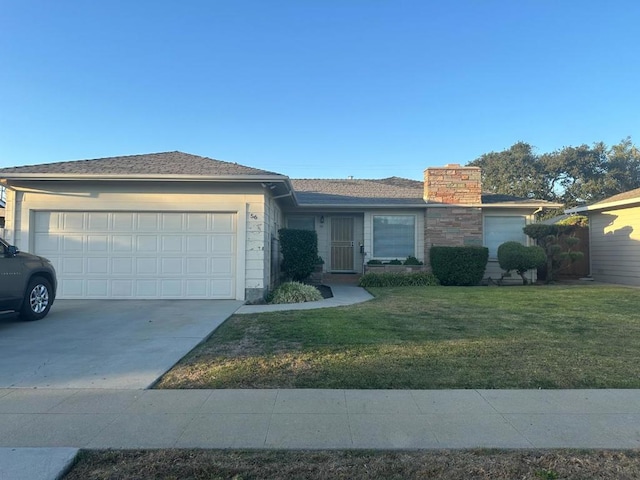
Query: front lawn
[[561, 336]]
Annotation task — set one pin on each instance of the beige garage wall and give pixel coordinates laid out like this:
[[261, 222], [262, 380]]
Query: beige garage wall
[[257, 215]]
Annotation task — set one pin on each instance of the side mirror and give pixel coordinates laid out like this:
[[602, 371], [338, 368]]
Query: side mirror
[[12, 251]]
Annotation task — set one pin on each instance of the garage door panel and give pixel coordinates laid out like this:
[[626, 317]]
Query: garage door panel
[[97, 265], [73, 265], [97, 222], [172, 243], [71, 287], [98, 288], [123, 221], [73, 222], [140, 254], [172, 222], [197, 244], [222, 288], [221, 267], [147, 222], [146, 243], [72, 243], [48, 244], [198, 222], [223, 244], [224, 222], [97, 243], [122, 265], [146, 266], [122, 243]]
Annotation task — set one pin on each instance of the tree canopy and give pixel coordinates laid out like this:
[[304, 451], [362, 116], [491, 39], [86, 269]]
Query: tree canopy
[[571, 175]]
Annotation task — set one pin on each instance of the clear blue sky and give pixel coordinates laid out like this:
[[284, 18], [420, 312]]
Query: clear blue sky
[[315, 88]]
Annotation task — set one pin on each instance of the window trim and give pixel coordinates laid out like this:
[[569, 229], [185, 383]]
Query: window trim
[[502, 215], [373, 242], [307, 217]]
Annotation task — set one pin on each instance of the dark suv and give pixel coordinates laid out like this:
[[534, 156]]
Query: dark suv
[[27, 283]]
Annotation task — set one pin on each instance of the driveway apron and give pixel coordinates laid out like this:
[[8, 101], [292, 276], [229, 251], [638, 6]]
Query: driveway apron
[[124, 344]]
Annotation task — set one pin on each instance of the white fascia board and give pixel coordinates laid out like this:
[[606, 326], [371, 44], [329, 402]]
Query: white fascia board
[[191, 178], [320, 206], [602, 206]]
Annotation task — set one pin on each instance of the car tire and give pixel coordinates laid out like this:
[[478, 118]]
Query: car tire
[[37, 300]]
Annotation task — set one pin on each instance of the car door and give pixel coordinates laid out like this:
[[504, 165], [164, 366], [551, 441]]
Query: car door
[[10, 278]]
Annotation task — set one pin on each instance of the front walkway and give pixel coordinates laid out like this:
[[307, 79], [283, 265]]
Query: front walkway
[[342, 295]]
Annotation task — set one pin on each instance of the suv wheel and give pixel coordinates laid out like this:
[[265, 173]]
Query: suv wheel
[[37, 301]]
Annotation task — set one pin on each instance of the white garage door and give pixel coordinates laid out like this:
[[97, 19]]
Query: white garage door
[[140, 254]]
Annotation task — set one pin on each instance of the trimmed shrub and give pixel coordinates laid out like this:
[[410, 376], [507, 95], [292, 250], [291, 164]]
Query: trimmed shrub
[[515, 256], [412, 261], [459, 265], [393, 262], [374, 262], [295, 292], [398, 279], [299, 252], [558, 242]]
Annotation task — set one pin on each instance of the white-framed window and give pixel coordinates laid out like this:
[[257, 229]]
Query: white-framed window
[[503, 228], [301, 223], [394, 236]]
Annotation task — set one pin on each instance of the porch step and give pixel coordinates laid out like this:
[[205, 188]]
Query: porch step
[[347, 278]]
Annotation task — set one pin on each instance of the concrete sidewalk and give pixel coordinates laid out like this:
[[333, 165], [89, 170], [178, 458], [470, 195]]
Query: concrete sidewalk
[[320, 419]]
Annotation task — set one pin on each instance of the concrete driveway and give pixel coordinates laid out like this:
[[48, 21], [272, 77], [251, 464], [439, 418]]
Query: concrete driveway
[[104, 343]]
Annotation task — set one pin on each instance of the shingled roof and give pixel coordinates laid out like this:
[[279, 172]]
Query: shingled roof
[[385, 191], [629, 198], [630, 195], [166, 163], [392, 191]]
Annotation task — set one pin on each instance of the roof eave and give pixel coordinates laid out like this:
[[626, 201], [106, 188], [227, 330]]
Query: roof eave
[[603, 206], [429, 205], [144, 177]]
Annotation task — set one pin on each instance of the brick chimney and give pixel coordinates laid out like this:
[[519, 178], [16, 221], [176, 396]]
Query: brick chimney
[[453, 184]]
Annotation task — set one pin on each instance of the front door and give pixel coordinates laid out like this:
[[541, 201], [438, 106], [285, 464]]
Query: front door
[[342, 244]]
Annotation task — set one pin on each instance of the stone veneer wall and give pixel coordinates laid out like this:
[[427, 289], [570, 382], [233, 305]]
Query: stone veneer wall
[[453, 184], [452, 227]]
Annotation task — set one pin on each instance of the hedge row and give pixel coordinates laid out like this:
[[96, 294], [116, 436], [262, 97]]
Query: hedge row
[[459, 265], [398, 279]]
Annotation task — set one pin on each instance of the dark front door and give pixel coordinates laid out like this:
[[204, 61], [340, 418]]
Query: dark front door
[[342, 244]]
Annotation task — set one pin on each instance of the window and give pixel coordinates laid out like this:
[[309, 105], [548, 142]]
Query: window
[[301, 223], [394, 236], [500, 229]]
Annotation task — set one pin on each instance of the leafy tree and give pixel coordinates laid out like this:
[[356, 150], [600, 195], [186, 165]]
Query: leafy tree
[[515, 256], [571, 175], [516, 171]]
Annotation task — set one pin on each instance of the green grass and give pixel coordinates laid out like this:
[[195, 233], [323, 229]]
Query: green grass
[[572, 336]]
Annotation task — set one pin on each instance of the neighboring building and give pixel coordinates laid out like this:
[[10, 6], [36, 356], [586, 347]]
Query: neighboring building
[[3, 196], [174, 225], [614, 238]]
